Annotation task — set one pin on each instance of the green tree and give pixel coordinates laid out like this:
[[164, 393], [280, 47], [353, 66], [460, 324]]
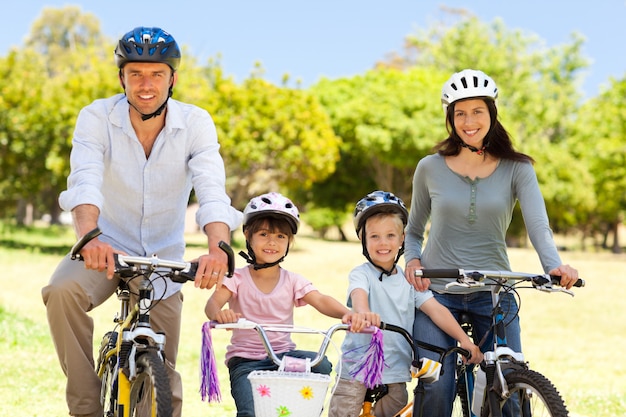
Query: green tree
[[44, 85], [388, 120], [601, 140], [272, 138]]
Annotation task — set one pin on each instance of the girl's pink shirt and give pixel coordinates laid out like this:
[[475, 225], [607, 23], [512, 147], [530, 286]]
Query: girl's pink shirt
[[274, 308]]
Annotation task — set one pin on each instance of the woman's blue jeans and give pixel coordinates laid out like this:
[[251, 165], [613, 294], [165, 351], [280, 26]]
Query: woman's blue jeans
[[240, 368], [439, 396]]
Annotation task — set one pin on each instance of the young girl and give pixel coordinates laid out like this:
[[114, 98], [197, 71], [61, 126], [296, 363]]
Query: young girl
[[266, 293], [379, 285]]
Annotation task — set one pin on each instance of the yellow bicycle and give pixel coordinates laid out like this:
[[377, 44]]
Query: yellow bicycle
[[131, 358]]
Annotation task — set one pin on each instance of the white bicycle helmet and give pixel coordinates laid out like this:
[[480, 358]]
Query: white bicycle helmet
[[375, 202], [468, 83], [272, 204]]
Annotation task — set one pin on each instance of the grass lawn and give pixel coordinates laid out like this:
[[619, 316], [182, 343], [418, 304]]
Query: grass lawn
[[573, 341]]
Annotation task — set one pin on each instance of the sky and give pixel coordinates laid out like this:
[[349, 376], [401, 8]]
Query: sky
[[312, 39]]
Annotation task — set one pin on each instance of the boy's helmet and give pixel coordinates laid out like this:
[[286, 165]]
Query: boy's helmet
[[147, 44], [468, 83], [376, 202], [272, 205]]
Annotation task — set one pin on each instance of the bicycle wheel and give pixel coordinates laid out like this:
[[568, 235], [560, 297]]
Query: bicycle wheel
[[150, 393], [532, 395], [461, 405], [108, 389]]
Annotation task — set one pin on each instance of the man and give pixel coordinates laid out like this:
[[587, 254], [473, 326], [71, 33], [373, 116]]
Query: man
[[135, 159]]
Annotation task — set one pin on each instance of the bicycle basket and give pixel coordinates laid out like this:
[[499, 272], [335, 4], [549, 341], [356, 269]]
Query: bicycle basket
[[284, 393]]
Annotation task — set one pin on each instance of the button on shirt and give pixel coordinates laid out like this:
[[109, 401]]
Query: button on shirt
[[143, 200]]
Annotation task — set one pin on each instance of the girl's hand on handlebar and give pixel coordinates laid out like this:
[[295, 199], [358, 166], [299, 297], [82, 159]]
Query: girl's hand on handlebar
[[477, 355], [419, 283], [227, 316], [568, 275]]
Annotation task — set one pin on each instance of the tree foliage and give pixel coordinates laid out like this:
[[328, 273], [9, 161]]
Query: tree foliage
[[330, 144]]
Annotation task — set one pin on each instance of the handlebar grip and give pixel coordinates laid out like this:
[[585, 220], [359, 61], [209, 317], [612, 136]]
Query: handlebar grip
[[74, 253], [231, 257], [556, 279], [438, 273]]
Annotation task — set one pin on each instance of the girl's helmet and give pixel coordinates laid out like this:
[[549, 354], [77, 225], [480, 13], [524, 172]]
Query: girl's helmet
[[468, 83], [147, 44], [272, 205], [376, 202]]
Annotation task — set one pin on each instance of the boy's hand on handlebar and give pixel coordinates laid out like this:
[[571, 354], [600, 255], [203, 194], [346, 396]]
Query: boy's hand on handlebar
[[211, 269], [477, 355], [419, 283], [568, 275], [360, 321]]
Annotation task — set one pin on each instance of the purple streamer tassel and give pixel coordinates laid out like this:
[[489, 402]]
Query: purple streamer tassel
[[209, 383], [369, 369]]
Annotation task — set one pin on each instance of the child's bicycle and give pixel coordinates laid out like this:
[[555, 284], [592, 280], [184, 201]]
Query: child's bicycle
[[503, 384], [425, 370], [292, 390], [130, 362]]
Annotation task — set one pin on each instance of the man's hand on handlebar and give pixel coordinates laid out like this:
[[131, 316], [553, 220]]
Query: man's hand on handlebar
[[98, 255], [211, 269]]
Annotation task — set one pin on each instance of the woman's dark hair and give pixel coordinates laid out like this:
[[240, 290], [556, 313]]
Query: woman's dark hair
[[497, 141]]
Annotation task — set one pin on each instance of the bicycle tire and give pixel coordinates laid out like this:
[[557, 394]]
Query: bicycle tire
[[532, 394], [461, 405], [108, 389], [150, 393]]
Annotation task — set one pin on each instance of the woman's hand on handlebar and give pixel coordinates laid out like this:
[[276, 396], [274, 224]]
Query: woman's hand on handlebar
[[419, 283], [568, 275]]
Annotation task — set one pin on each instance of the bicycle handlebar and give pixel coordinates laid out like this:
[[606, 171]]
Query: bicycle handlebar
[[463, 276], [128, 266], [443, 352], [262, 330]]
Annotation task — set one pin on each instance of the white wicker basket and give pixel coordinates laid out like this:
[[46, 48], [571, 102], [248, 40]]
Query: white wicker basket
[[282, 393]]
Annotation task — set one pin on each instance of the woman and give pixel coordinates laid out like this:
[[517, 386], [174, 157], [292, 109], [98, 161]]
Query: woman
[[468, 190]]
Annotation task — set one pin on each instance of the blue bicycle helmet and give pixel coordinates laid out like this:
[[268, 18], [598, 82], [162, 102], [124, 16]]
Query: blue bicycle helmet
[[147, 44]]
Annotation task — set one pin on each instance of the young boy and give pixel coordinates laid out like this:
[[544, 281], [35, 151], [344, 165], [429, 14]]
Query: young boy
[[379, 285], [266, 293]]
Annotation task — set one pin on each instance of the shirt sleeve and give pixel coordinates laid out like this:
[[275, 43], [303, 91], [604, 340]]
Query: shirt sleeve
[[209, 174], [357, 279], [418, 213], [87, 162], [535, 216]]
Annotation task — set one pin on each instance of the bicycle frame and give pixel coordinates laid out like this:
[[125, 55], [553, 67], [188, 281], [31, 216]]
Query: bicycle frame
[[134, 365], [501, 358]]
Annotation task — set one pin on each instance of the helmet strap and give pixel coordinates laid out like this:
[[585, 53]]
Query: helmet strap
[[251, 259], [474, 149], [368, 257], [156, 113]]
